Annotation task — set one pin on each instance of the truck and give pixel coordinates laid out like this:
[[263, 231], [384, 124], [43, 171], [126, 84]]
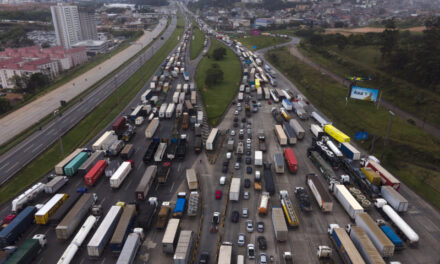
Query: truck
[[212, 138], [350, 151], [18, 226], [179, 110], [120, 174], [279, 224], [372, 176], [292, 163], [303, 197], [299, 131], [181, 147], [176, 97], [90, 162], [71, 167], [341, 240], [240, 147], [30, 249], [292, 220], [281, 136], [170, 110], [163, 172], [264, 204], [96, 245], [61, 212], [336, 134], [279, 162], [199, 116], [49, 208], [332, 147], [191, 179], [124, 226], [287, 104], [319, 192], [171, 149], [258, 159], [160, 152], [95, 173], [317, 131], [151, 128], [394, 199], [163, 215], [320, 119], [179, 208], [269, 184], [146, 211], [225, 253], [277, 115], [145, 183], [131, 247], [193, 203], [104, 141], [115, 148], [127, 151], [71, 221], [350, 204], [364, 245], [171, 235], [55, 184], [230, 144], [119, 125], [387, 177], [392, 236], [379, 239], [290, 133], [185, 121], [162, 110], [128, 133], [234, 190], [184, 247]]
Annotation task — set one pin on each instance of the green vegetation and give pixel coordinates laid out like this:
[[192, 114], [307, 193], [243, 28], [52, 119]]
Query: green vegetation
[[35, 15], [196, 43], [92, 124], [261, 42], [217, 97], [411, 153], [14, 37]]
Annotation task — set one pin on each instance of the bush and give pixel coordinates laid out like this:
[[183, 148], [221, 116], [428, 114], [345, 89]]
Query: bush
[[214, 75], [219, 53]]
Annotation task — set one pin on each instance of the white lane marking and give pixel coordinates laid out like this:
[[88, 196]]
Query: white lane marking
[[138, 166], [103, 261], [4, 165], [128, 184], [102, 201], [11, 167], [82, 260], [178, 168], [37, 147], [52, 131], [171, 189], [30, 146], [41, 260], [157, 186]]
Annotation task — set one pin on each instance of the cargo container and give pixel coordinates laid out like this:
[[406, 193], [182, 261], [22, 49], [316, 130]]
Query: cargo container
[[71, 221], [364, 245], [105, 230], [59, 168], [130, 249], [93, 175], [320, 193], [258, 159], [181, 98], [163, 172], [151, 150], [225, 253], [234, 190], [279, 162], [193, 97], [379, 239], [29, 250], [49, 208], [395, 199], [176, 97], [179, 208], [163, 215], [350, 151], [288, 209], [55, 184], [145, 182], [332, 147], [171, 235], [160, 152], [387, 177], [290, 133], [64, 208], [268, 179], [184, 247], [346, 249], [124, 226], [191, 179], [299, 131], [120, 174], [279, 224], [212, 138], [193, 204], [90, 162], [392, 236], [320, 119], [151, 128], [336, 134], [127, 151], [170, 110], [281, 136], [21, 222], [162, 110], [372, 176], [316, 131], [292, 163], [119, 125], [351, 206]]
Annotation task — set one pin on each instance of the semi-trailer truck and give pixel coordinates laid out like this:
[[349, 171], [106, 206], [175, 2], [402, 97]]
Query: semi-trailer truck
[[346, 249], [234, 191], [124, 226], [364, 245], [163, 215], [179, 208], [17, 226], [288, 209], [279, 224], [28, 250], [268, 180], [191, 178], [131, 247], [346, 199], [319, 192], [120, 174], [55, 184], [145, 182], [163, 172]]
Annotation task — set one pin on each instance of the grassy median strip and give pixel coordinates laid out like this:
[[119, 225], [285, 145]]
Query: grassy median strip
[[196, 43], [261, 42], [216, 98], [411, 153], [92, 124]]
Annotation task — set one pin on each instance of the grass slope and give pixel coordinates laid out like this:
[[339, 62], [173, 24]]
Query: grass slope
[[92, 124], [217, 98], [411, 153], [197, 43], [261, 42]]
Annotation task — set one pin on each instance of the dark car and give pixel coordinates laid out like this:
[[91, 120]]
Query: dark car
[[225, 169], [235, 124], [234, 216], [204, 258], [239, 158], [249, 170], [260, 227], [248, 152], [235, 119], [226, 162], [262, 244], [243, 120], [248, 160], [247, 183]]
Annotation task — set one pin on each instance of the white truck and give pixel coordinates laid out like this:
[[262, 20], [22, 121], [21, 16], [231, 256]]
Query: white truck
[[151, 128], [258, 159], [234, 191], [120, 174], [191, 178], [350, 204], [170, 110], [162, 110]]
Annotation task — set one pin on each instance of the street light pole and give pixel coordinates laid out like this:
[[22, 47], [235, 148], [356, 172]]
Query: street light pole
[[60, 140], [390, 123]]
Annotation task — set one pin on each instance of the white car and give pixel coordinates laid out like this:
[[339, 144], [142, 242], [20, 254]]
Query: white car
[[249, 226], [241, 239], [248, 141], [246, 195], [228, 155], [232, 132], [244, 213]]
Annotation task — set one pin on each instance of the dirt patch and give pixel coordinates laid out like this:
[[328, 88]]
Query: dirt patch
[[14, 98], [348, 31]]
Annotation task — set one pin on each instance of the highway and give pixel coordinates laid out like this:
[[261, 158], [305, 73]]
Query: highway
[[22, 154]]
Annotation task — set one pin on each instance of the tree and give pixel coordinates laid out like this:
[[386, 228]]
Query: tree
[[341, 41], [214, 75], [5, 105], [20, 82], [390, 38], [37, 81], [219, 53], [45, 45]]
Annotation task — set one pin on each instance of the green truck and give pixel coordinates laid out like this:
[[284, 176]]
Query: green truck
[[72, 167], [28, 251]]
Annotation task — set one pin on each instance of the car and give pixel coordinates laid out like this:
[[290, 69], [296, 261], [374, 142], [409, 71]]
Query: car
[[235, 215], [248, 141], [247, 183], [248, 146], [262, 244], [239, 158], [249, 226], [243, 120], [251, 251], [257, 175], [263, 258], [260, 227], [249, 125], [235, 124], [228, 156], [225, 169], [248, 152], [246, 195], [216, 218], [239, 105], [245, 213], [204, 257], [232, 132], [254, 102], [237, 166], [249, 131], [269, 102], [248, 160], [218, 194], [239, 109], [249, 170], [241, 239], [235, 119], [235, 113], [241, 125]]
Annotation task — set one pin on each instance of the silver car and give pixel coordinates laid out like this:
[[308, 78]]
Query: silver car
[[241, 239], [244, 213]]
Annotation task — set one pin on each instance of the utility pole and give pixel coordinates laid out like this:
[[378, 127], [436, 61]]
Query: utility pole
[[56, 114], [390, 123]]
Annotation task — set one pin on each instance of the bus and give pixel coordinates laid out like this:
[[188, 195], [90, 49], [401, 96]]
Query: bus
[[49, 208]]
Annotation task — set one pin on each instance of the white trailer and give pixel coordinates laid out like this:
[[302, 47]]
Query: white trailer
[[191, 178], [28, 195], [184, 247], [281, 136], [162, 110], [225, 253], [193, 97], [321, 120], [258, 159], [394, 198], [151, 128], [170, 237], [170, 110], [107, 138], [176, 97], [185, 88], [234, 191], [130, 249], [210, 142], [316, 131], [97, 244], [120, 174], [55, 184], [351, 206], [181, 98]]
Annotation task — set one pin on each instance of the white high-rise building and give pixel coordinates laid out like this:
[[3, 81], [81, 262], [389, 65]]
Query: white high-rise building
[[67, 24]]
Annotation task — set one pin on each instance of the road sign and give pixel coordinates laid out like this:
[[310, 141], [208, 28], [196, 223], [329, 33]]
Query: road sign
[[254, 47], [361, 135]]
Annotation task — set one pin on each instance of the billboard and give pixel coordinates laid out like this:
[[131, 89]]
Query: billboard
[[366, 94]]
